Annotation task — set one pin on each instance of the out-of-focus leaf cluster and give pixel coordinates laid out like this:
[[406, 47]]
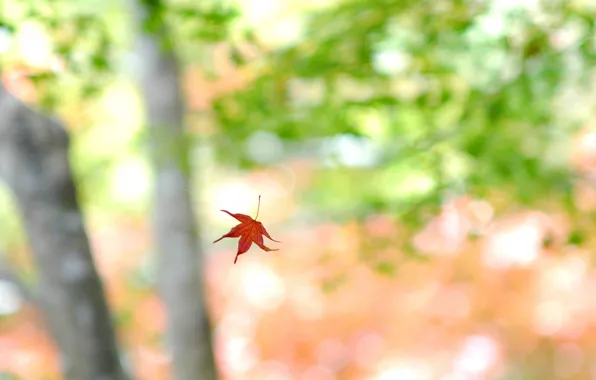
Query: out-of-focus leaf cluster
[[90, 47], [82, 48], [205, 23], [454, 96], [88, 43]]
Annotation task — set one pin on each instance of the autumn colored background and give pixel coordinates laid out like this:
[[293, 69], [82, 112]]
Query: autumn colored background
[[428, 166]]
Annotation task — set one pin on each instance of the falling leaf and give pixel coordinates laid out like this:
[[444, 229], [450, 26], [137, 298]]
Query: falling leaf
[[249, 230]]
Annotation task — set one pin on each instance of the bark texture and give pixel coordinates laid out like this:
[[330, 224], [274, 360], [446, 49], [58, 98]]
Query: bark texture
[[174, 225], [34, 163]]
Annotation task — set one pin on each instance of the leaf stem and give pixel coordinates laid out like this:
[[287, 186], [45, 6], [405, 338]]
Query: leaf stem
[[258, 207]]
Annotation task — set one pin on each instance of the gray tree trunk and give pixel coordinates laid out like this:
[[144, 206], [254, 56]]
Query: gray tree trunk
[[174, 226], [34, 163]]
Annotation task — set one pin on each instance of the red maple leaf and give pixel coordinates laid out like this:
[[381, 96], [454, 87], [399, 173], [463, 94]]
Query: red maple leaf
[[249, 230]]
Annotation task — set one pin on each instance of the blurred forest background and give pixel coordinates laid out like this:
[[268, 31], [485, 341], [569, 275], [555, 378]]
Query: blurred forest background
[[430, 167]]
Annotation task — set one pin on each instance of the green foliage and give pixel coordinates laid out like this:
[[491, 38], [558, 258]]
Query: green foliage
[[82, 44], [456, 96], [88, 40], [209, 24], [450, 97], [385, 268]]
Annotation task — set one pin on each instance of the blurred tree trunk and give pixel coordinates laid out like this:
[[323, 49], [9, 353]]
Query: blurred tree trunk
[[34, 163], [180, 258]]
